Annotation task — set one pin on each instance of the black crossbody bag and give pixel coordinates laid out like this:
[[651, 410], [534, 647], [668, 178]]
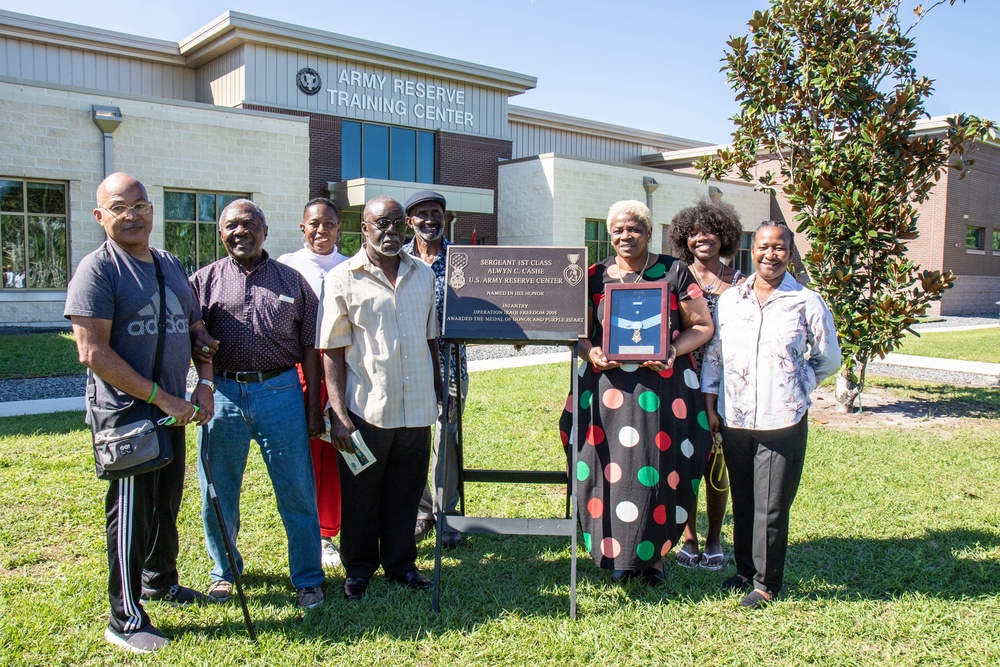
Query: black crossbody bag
[[127, 439]]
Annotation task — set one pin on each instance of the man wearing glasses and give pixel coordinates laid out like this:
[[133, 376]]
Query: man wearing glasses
[[378, 330], [113, 303], [320, 227]]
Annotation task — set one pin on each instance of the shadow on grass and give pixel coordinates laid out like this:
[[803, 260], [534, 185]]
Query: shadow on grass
[[488, 578], [941, 400], [949, 564]]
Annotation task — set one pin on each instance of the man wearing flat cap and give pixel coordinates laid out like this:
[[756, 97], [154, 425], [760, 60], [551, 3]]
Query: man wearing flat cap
[[425, 214]]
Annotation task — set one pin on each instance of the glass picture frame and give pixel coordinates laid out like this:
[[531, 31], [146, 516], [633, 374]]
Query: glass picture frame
[[637, 321]]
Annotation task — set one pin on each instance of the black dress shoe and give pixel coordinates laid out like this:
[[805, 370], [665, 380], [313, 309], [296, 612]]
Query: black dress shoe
[[653, 577], [412, 579], [450, 540], [621, 576], [355, 587]]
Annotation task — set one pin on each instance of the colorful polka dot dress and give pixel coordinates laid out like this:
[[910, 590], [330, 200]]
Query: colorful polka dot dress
[[643, 442]]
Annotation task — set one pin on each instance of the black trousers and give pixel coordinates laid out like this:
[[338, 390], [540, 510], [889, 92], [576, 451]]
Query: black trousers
[[764, 472], [141, 519], [379, 505]]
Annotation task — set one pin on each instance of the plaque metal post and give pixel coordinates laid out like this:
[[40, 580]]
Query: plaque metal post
[[565, 527], [510, 295]]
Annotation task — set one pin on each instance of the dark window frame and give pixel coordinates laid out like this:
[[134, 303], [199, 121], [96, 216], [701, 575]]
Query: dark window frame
[[11, 282], [204, 228], [354, 163]]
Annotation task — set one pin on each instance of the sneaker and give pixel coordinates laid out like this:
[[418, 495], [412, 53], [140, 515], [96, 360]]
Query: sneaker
[[176, 595], [310, 596], [331, 555], [221, 591], [144, 640], [423, 529]]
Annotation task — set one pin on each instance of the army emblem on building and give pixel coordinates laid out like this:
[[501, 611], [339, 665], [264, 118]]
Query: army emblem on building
[[308, 81]]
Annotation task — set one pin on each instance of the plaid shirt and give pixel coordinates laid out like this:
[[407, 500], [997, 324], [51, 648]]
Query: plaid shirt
[[390, 375]]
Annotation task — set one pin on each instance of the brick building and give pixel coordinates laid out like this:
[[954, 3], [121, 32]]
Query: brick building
[[251, 107]]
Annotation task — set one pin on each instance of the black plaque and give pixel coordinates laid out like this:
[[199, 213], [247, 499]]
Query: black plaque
[[636, 321], [511, 293]]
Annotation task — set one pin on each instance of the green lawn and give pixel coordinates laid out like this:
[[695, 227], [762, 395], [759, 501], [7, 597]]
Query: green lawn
[[972, 345], [894, 560], [38, 355]]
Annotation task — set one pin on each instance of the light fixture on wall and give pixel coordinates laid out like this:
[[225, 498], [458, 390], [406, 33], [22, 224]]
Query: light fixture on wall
[[649, 184], [107, 120], [715, 194]]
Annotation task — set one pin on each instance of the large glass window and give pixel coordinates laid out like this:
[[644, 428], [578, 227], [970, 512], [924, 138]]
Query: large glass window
[[996, 240], [369, 150], [190, 226], [597, 241], [974, 238], [744, 260], [33, 234]]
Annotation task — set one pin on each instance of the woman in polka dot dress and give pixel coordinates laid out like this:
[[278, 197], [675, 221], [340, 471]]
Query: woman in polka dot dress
[[644, 438]]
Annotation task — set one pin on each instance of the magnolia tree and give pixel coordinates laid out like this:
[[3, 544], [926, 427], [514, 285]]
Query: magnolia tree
[[829, 95]]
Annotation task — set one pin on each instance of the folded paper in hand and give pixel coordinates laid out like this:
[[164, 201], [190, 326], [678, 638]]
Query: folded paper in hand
[[361, 457]]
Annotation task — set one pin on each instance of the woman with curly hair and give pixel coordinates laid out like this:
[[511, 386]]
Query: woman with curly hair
[[701, 236]]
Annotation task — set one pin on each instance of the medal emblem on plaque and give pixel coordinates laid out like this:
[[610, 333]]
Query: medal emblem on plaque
[[574, 272], [459, 261]]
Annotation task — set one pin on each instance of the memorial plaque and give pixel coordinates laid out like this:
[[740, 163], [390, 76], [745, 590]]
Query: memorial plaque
[[511, 293]]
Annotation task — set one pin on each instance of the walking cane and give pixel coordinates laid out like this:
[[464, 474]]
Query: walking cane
[[230, 551]]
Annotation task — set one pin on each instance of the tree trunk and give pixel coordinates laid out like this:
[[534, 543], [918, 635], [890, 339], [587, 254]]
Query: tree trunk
[[847, 391]]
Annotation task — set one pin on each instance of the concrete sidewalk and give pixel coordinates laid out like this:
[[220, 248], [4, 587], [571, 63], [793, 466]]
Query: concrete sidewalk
[[45, 406]]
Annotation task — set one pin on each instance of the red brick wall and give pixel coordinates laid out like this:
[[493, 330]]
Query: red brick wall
[[460, 160], [472, 162]]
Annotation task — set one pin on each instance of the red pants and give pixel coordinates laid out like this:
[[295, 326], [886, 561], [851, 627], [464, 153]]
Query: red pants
[[327, 477]]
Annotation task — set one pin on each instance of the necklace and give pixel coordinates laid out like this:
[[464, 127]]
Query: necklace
[[621, 274], [715, 283]]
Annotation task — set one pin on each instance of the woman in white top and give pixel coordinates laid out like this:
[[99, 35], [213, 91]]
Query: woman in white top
[[701, 235], [775, 340]]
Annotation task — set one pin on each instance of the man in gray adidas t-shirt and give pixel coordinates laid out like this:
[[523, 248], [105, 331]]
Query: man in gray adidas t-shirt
[[113, 302]]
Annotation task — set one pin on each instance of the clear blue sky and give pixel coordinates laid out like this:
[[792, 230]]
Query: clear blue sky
[[648, 64]]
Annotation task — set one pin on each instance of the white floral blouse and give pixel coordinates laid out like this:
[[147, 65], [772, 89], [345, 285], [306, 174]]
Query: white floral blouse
[[768, 359]]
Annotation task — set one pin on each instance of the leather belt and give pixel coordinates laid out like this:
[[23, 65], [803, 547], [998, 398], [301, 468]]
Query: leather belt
[[253, 376]]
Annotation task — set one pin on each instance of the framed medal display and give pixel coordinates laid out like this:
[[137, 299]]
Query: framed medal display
[[637, 322]]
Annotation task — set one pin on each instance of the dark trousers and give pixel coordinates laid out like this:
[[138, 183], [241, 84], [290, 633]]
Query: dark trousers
[[379, 505], [141, 518], [764, 472]]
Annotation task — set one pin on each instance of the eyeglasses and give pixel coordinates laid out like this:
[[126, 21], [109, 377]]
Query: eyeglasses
[[385, 223], [139, 208]]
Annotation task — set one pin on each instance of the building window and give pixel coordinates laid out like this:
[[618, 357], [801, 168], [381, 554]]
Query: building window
[[974, 237], [597, 241], [996, 240], [190, 226], [33, 234], [389, 153], [744, 260]]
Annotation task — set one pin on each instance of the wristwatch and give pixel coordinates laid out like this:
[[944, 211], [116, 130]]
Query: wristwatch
[[208, 383]]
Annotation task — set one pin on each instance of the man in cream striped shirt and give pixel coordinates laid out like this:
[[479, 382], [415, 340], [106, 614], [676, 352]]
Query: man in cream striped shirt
[[378, 327]]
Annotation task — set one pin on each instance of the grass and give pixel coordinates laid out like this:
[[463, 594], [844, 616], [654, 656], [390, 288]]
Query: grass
[[894, 560], [973, 345], [38, 355]]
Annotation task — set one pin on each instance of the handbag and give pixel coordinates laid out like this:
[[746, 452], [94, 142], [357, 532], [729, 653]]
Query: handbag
[[127, 439]]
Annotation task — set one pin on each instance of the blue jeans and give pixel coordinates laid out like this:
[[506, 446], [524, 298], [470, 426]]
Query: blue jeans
[[272, 413]]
